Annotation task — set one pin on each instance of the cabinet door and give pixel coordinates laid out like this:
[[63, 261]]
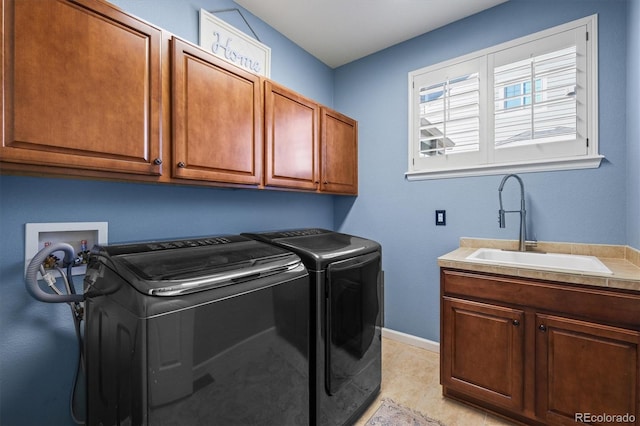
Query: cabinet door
[[482, 351], [217, 118], [82, 87], [586, 369], [339, 153], [291, 139]]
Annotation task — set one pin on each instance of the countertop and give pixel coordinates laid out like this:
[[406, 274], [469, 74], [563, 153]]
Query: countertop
[[623, 261]]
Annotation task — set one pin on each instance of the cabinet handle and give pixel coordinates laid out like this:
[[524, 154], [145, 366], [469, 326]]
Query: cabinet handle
[[542, 328], [515, 322], [182, 165], [157, 161]]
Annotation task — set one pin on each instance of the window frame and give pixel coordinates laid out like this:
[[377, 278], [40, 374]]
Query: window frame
[[484, 162]]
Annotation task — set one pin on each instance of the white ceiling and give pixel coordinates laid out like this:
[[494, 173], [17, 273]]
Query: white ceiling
[[340, 31]]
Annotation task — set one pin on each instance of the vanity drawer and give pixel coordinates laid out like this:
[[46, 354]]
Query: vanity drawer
[[607, 305]]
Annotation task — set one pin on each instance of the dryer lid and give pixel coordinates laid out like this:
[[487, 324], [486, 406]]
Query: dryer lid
[[168, 268], [320, 245]]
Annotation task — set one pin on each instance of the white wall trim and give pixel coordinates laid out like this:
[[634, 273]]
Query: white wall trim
[[545, 165], [411, 340]]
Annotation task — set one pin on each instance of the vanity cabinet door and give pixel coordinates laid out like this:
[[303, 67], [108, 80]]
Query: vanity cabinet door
[[339, 153], [586, 368], [482, 351], [217, 118], [82, 87], [291, 139]]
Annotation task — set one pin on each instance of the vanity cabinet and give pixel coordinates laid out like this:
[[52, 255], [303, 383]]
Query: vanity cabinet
[[585, 367], [539, 352], [217, 118], [483, 352], [82, 88], [483, 355]]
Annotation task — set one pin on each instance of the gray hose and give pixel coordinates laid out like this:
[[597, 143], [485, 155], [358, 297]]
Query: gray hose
[[31, 279]]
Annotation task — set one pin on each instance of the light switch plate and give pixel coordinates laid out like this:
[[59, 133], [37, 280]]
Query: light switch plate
[[441, 217]]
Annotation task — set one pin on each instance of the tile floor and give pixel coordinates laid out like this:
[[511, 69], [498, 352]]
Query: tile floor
[[410, 376]]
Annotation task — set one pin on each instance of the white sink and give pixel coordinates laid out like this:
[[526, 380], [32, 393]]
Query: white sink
[[547, 261]]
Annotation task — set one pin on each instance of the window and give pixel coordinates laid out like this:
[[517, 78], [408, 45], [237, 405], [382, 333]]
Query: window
[[519, 94], [525, 105]]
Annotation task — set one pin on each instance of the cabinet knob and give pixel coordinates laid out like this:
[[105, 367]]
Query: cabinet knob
[[515, 323], [542, 327], [157, 161], [182, 165]]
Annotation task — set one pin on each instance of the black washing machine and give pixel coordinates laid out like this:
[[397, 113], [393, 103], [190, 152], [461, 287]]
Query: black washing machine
[[346, 319], [205, 331]]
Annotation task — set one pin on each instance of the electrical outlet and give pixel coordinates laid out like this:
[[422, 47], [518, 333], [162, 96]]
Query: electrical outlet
[[441, 217]]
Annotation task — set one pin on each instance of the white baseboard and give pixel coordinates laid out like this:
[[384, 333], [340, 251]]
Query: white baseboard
[[411, 340]]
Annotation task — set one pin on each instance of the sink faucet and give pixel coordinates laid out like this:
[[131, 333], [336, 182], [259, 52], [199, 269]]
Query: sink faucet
[[522, 239]]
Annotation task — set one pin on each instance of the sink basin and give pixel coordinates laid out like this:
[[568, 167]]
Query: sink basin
[[547, 261]]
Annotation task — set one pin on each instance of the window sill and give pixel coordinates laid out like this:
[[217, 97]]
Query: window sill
[[573, 163]]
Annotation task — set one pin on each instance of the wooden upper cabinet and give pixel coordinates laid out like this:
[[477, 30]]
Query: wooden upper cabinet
[[291, 139], [339, 153], [308, 146], [217, 118], [82, 87]]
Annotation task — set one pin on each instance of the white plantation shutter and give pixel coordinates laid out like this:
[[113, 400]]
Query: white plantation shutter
[[535, 99], [537, 88], [448, 115], [525, 105]]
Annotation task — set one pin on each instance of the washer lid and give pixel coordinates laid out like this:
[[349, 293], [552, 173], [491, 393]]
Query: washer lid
[[320, 245], [168, 268]]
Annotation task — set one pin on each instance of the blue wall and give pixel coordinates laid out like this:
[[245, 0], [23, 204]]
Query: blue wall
[[37, 342], [633, 124], [579, 206], [290, 65]]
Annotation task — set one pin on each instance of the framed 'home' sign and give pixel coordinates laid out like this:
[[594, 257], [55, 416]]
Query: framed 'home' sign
[[232, 45]]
